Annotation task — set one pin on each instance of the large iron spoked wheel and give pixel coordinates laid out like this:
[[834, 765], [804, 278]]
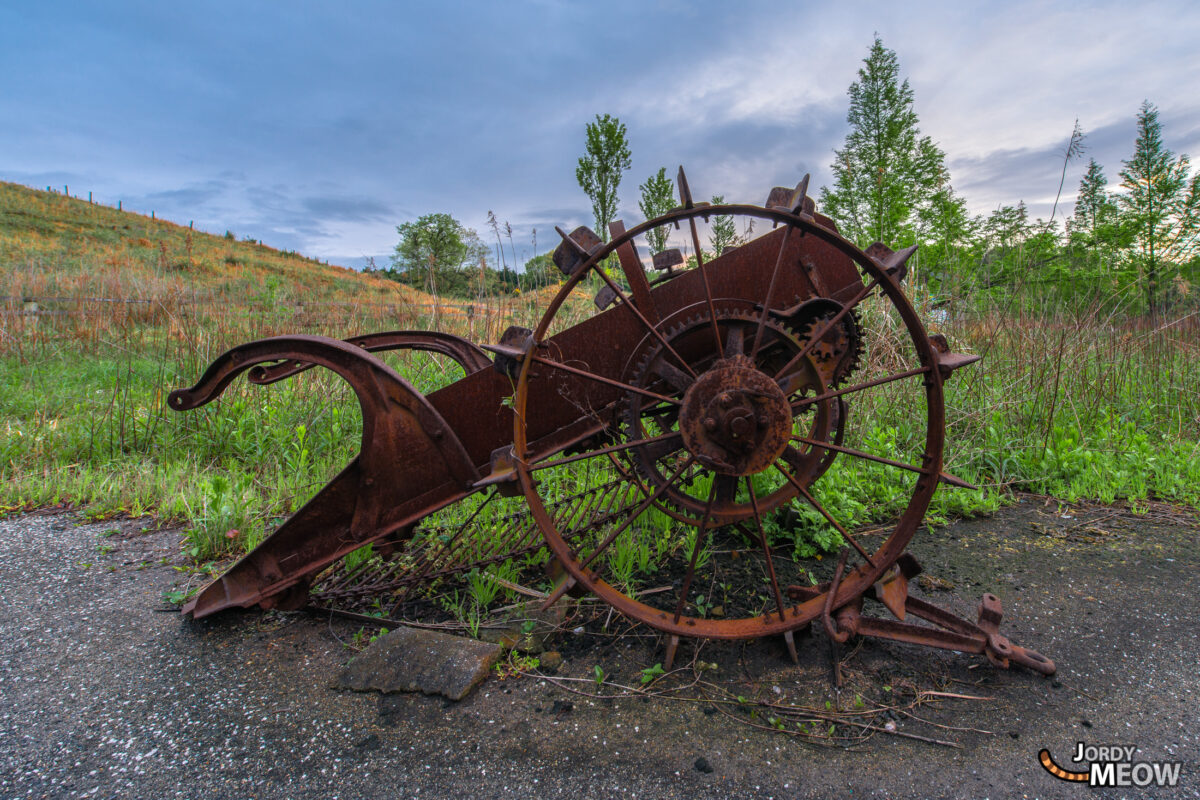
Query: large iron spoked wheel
[[740, 425]]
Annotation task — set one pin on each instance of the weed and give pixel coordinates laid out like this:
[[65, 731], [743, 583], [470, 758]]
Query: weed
[[628, 556], [177, 597], [515, 665], [482, 587], [650, 674]]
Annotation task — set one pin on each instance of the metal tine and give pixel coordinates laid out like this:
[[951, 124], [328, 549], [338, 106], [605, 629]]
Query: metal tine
[[893, 263], [566, 237], [685, 192], [585, 508], [801, 193]]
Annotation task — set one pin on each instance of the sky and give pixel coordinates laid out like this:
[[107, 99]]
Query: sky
[[320, 127]]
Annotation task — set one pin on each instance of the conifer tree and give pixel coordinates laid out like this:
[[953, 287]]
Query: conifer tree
[[1093, 226], [1160, 208], [723, 231], [874, 194]]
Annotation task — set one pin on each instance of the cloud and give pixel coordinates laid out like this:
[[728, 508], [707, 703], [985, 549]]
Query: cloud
[[359, 209], [191, 196], [318, 130]]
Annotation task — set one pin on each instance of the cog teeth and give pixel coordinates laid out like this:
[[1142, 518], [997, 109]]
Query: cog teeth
[[848, 360], [642, 374]]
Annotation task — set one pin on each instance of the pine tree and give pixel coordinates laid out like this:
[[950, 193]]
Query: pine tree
[[878, 181], [944, 226], [723, 231], [1093, 226], [1160, 207]]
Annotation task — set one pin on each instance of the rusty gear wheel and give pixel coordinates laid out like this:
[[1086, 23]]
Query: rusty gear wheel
[[697, 428], [652, 370], [840, 349]]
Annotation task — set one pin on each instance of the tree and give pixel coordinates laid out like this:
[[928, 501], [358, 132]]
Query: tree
[[658, 197], [1160, 207], [886, 172], [540, 271], [599, 171], [944, 227], [723, 232], [433, 252], [1093, 226]]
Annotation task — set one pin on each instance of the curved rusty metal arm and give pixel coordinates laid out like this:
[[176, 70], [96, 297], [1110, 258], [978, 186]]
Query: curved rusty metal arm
[[465, 353], [411, 462]]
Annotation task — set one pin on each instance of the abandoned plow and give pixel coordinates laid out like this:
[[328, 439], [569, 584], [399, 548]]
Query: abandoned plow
[[682, 454]]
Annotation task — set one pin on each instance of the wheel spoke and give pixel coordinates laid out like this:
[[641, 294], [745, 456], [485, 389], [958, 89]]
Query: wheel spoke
[[637, 513], [858, 387], [860, 454], [708, 296], [762, 320], [583, 373], [726, 489], [820, 509], [653, 330], [762, 537], [792, 457], [662, 446], [672, 375], [701, 537], [685, 199], [653, 440], [827, 327], [735, 341]]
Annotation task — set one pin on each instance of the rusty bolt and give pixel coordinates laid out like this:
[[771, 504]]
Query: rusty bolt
[[710, 424], [739, 426], [725, 399]]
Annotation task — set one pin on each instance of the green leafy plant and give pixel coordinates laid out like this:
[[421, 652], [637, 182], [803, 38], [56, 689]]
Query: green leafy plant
[[177, 597], [515, 665], [649, 674]]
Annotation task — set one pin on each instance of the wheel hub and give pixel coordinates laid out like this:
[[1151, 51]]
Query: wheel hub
[[735, 419]]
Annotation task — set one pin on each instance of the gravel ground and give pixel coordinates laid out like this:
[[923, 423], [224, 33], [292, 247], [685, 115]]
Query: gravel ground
[[105, 692]]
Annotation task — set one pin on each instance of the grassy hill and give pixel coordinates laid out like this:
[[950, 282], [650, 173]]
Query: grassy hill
[[53, 245], [103, 312]]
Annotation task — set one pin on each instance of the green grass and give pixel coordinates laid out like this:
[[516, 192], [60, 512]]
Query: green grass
[[1083, 406]]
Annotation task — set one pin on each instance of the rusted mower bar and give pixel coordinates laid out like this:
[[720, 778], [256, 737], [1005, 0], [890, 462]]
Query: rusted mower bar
[[679, 439]]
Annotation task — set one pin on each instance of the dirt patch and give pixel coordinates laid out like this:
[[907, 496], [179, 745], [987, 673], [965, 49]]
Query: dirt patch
[[105, 690]]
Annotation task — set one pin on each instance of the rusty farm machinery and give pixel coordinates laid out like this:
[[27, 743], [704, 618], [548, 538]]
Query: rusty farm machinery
[[673, 451]]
